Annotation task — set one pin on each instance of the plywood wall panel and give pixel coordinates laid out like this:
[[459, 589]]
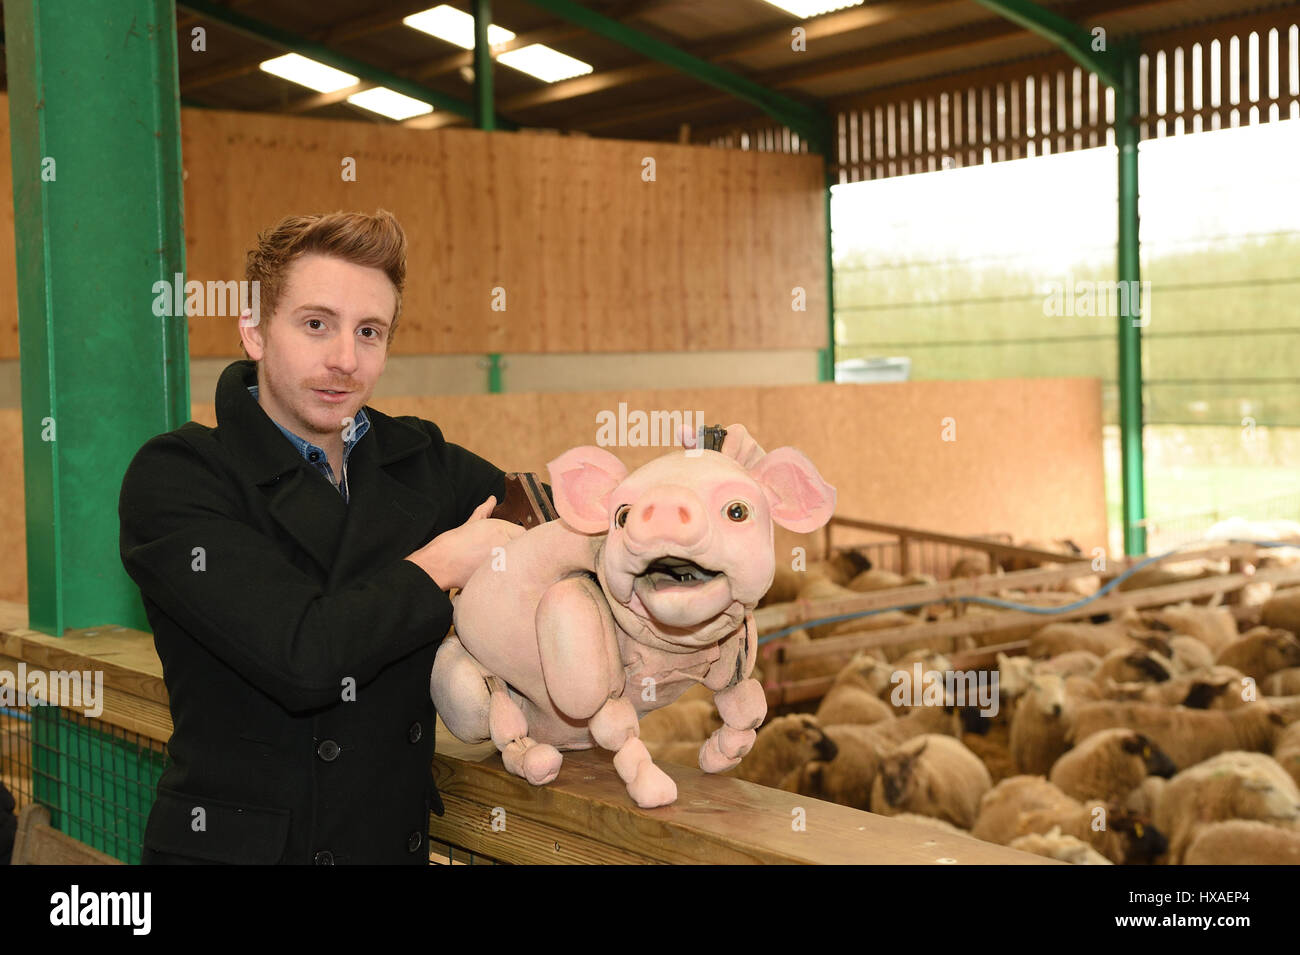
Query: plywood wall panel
[[591, 257]]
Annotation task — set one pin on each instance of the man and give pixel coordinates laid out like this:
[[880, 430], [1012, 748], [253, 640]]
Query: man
[[294, 563]]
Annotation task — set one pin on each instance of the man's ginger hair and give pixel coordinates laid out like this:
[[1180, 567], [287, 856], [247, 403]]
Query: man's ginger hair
[[376, 241]]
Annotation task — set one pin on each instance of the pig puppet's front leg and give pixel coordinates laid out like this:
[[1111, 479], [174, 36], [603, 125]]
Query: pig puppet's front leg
[[742, 705], [578, 643]]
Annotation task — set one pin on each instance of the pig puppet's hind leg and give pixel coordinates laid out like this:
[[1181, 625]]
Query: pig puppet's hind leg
[[539, 763]]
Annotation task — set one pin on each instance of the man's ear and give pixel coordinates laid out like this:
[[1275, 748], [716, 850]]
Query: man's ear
[[250, 335]]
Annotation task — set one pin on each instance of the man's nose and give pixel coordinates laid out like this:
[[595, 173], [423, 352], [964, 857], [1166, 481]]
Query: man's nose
[[343, 354]]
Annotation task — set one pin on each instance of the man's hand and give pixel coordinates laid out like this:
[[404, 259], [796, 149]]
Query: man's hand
[[450, 558]]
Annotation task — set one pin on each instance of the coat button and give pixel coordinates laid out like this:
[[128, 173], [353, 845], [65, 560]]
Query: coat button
[[313, 456], [324, 857], [413, 843], [328, 750], [415, 733]]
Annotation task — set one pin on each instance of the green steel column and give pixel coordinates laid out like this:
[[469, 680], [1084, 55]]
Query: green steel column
[[484, 107], [485, 118], [94, 121], [827, 371], [1130, 332]]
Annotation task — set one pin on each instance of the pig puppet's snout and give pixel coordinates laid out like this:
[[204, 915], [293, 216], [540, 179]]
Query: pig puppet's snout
[[667, 515]]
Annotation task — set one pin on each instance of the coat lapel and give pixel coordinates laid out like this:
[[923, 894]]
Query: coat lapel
[[342, 538], [382, 511]]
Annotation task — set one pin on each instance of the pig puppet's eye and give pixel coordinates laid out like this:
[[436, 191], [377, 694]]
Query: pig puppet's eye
[[737, 511], [620, 516]]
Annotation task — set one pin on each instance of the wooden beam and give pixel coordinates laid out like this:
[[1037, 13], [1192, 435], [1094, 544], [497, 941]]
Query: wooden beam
[[586, 816], [972, 624]]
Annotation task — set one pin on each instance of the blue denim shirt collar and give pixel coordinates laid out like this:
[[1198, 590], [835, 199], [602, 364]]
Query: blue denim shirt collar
[[317, 456]]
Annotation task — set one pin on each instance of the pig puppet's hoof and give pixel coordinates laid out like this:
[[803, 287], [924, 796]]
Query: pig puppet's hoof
[[723, 751], [652, 787], [539, 763]]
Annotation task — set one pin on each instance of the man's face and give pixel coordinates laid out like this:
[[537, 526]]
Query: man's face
[[328, 332]]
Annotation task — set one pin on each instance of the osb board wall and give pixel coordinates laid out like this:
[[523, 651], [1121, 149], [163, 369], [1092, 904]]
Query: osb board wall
[[591, 257], [1026, 459]]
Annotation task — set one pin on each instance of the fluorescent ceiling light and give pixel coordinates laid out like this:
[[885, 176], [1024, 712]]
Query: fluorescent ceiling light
[[811, 8], [544, 63], [317, 76], [454, 26], [386, 102]]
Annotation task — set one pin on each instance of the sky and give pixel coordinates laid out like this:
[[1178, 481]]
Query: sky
[[1194, 189]]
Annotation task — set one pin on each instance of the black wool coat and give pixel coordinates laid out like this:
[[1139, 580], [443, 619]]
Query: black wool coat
[[296, 642]]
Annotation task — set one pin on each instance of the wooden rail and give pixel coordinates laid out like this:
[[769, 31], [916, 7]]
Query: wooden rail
[[585, 815]]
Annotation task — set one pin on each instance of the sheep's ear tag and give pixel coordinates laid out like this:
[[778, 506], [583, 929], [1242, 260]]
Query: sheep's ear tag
[[1137, 829]]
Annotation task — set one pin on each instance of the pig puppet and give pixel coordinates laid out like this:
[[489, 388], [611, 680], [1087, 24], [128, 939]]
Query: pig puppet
[[645, 587]]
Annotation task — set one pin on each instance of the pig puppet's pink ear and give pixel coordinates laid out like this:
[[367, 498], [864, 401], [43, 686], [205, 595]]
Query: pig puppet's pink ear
[[581, 481], [799, 499]]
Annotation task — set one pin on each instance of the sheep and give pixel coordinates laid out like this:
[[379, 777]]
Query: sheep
[[1232, 785], [1162, 574], [1287, 751], [849, 703], [1144, 798], [678, 752], [1213, 626], [1133, 666], [1063, 637], [1121, 836], [682, 720], [1063, 848], [942, 720], [876, 579], [1023, 805], [972, 565], [1109, 765], [1014, 674], [1282, 610], [1219, 688], [784, 744], [993, 751], [785, 586], [846, 779], [902, 691], [1187, 736], [931, 775], [1072, 663], [1040, 725], [1283, 682], [1243, 842], [1260, 652], [1002, 806], [1189, 655], [930, 822]]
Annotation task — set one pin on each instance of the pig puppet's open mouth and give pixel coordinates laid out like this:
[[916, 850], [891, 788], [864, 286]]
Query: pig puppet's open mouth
[[680, 593]]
